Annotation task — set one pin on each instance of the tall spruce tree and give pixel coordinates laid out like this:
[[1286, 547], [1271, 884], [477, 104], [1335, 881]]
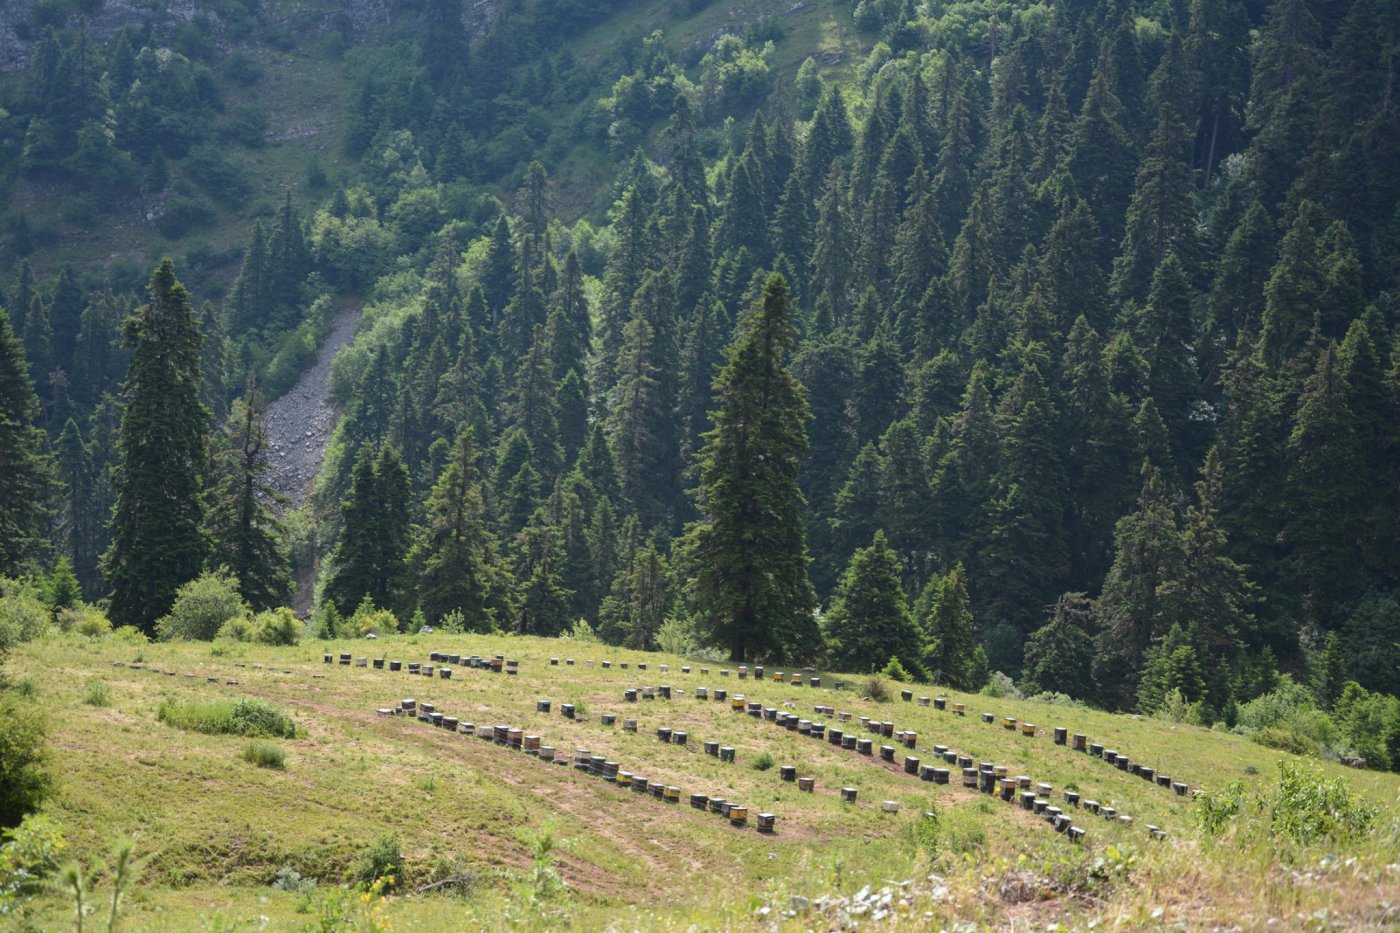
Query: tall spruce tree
[[158, 540], [26, 475], [951, 653], [245, 530], [452, 555], [747, 555]]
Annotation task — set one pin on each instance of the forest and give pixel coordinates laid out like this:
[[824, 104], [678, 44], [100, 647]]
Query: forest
[[1046, 349]]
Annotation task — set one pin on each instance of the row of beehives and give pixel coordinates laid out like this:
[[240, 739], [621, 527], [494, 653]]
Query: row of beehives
[[1061, 736], [586, 762], [987, 777], [440, 660]]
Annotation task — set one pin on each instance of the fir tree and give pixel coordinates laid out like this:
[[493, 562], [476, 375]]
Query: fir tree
[[26, 475], [951, 651], [1060, 654], [452, 556], [869, 621], [747, 555], [246, 533], [158, 542]]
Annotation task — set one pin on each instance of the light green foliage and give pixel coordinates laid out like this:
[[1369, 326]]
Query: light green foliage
[[1286, 718], [23, 612], [381, 861], [896, 672], [1303, 807], [677, 635], [583, 633], [29, 853], [85, 619], [763, 762], [265, 755], [228, 717], [202, 607], [273, 627], [367, 619], [98, 694]]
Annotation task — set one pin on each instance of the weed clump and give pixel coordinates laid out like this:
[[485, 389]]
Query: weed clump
[[265, 755], [763, 762], [382, 860], [98, 694], [251, 718]]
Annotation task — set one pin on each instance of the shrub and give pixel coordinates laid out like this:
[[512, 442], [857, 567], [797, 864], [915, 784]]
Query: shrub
[[763, 762], [367, 619], [1307, 807], [584, 633], [381, 860], [677, 635], [875, 688], [24, 774], [85, 619], [277, 627], [202, 606], [24, 614], [265, 755], [896, 672], [1000, 685], [98, 694], [289, 879], [30, 852], [252, 718], [925, 831]]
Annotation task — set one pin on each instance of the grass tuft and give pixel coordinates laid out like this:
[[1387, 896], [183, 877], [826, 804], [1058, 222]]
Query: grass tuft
[[265, 755], [98, 694]]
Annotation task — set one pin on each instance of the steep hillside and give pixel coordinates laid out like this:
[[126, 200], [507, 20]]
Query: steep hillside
[[516, 842]]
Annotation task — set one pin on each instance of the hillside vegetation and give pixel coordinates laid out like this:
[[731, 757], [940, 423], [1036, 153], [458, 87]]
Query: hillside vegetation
[[230, 842], [1044, 352]]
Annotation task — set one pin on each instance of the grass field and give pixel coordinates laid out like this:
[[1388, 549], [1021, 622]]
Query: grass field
[[218, 828]]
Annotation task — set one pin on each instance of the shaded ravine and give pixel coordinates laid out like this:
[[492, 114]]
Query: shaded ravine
[[299, 424]]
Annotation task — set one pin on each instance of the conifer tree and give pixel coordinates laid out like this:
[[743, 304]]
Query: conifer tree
[[747, 555], [1137, 604], [951, 653], [869, 622], [452, 554], [1060, 654], [80, 521], [158, 541], [26, 474], [246, 533]]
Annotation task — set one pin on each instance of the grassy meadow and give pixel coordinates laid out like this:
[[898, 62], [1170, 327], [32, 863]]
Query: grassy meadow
[[543, 846]]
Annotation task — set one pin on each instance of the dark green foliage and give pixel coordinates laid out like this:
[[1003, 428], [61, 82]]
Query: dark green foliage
[[158, 541], [1060, 654], [746, 557], [869, 620], [25, 780], [951, 650], [26, 474], [453, 555], [374, 539], [247, 535]]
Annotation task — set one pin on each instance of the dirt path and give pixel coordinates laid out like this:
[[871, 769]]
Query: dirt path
[[299, 424]]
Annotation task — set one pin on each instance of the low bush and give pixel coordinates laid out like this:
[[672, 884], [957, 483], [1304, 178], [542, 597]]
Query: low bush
[[85, 619], [273, 627], [382, 860], [202, 607], [265, 755], [24, 614], [763, 762], [24, 774], [876, 688], [29, 854], [252, 718]]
